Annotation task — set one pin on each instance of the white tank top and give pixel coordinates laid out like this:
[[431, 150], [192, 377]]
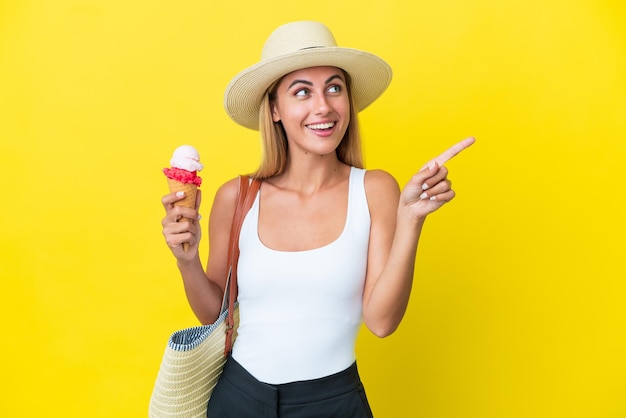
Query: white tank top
[[300, 311]]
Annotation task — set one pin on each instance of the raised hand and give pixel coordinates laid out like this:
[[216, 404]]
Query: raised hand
[[430, 188]]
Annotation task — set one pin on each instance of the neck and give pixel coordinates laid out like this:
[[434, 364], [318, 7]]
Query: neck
[[308, 175]]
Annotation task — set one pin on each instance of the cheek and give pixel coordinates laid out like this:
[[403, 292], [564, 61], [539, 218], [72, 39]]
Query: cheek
[[344, 110], [292, 115], [342, 105]]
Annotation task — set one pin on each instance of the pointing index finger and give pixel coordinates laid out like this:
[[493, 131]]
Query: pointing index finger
[[451, 152]]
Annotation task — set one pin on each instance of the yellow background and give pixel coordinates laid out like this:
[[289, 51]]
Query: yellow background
[[518, 306]]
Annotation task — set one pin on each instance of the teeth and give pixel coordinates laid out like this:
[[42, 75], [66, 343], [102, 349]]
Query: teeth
[[327, 125]]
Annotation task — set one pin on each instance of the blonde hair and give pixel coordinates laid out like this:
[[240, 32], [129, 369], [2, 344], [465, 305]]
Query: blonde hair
[[274, 138]]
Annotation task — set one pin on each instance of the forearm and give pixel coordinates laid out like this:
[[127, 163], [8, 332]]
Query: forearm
[[204, 296], [388, 300]]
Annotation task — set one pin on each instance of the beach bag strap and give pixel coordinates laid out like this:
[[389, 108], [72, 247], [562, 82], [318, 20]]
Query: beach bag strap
[[248, 189]]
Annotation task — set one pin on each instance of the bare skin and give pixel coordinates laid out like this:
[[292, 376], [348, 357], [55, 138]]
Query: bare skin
[[305, 207]]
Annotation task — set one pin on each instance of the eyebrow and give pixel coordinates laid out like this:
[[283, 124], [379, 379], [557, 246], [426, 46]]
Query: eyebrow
[[308, 83]]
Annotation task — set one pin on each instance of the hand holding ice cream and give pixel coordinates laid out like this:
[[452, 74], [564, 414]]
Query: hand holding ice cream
[[182, 176]]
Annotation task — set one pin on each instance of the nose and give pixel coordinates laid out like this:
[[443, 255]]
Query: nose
[[322, 106]]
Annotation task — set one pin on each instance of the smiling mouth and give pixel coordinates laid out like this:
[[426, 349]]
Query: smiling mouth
[[321, 126]]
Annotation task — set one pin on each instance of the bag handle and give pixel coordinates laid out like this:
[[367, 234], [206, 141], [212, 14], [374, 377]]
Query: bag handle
[[248, 189]]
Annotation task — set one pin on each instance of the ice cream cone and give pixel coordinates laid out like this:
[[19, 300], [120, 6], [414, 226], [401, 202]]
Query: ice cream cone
[[189, 201]]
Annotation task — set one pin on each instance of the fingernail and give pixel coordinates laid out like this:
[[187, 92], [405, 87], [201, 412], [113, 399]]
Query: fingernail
[[199, 216], [180, 194], [424, 195], [433, 198], [425, 186], [431, 165]]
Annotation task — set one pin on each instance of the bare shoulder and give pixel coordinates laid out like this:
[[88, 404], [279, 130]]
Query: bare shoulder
[[380, 185], [226, 195], [223, 207]]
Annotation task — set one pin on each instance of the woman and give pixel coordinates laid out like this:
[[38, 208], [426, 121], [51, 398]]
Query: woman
[[326, 244]]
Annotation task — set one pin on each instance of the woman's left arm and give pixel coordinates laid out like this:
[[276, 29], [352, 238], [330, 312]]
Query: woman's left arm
[[396, 224]]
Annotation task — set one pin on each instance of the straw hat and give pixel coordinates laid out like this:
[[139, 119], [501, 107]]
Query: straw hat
[[295, 46]]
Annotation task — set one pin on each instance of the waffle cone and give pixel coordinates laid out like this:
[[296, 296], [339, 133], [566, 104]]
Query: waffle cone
[[189, 201]]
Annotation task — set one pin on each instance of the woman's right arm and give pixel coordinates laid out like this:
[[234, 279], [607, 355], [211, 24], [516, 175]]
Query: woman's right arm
[[204, 290]]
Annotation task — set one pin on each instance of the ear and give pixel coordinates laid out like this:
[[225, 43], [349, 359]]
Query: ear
[[275, 113]]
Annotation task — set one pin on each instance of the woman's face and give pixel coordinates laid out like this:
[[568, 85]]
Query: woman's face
[[314, 108]]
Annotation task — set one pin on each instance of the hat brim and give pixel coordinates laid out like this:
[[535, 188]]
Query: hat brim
[[370, 76]]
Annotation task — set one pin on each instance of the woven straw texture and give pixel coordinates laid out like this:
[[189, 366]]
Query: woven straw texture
[[192, 364]]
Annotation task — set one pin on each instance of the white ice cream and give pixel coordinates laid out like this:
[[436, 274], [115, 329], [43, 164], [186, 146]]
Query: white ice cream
[[187, 158]]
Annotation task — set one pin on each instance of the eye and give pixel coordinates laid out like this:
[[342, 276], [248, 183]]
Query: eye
[[301, 92], [335, 88]]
